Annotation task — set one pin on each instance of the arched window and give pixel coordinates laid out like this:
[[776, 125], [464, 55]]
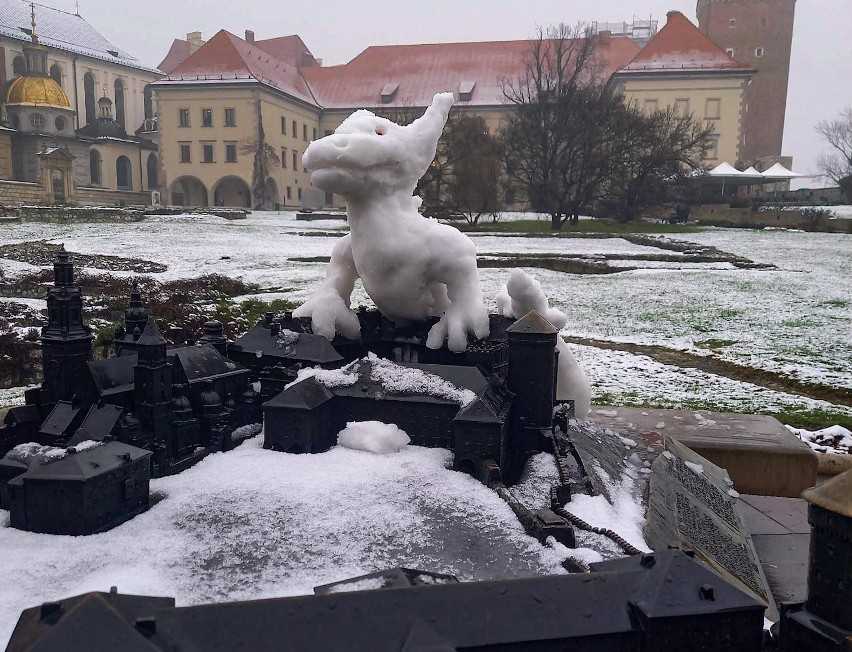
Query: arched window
[[119, 103], [56, 73], [152, 171], [18, 65], [123, 173], [89, 90], [95, 166], [148, 100]]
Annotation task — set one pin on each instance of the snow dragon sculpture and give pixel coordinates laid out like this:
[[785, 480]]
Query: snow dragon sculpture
[[412, 267]]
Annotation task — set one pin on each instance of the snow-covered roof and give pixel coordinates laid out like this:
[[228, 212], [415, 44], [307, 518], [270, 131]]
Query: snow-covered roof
[[62, 30]]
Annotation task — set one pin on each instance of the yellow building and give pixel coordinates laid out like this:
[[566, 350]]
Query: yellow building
[[680, 67], [216, 95]]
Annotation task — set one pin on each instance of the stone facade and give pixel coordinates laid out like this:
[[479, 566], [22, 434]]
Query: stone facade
[[758, 33]]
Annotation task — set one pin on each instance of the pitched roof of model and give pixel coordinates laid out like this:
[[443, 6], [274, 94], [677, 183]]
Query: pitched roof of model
[[420, 71], [228, 58], [680, 45], [61, 30]]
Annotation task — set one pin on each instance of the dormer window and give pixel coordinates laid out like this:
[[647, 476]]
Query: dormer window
[[389, 92], [466, 90]]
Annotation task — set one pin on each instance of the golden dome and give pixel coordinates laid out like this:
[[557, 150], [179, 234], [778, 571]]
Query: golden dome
[[37, 91]]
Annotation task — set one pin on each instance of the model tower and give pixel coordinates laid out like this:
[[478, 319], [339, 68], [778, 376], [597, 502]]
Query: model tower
[[66, 341], [759, 34]]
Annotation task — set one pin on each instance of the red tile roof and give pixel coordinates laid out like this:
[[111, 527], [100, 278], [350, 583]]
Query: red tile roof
[[226, 57], [420, 71], [680, 45], [176, 56], [290, 49]]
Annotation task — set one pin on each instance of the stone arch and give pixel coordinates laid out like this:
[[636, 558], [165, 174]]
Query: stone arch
[[56, 73], [119, 103], [188, 191], [123, 173], [89, 93], [232, 191], [271, 196], [19, 67], [95, 171], [151, 170]]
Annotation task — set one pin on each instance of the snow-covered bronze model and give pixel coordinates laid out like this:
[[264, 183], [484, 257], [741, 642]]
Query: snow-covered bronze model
[[412, 267]]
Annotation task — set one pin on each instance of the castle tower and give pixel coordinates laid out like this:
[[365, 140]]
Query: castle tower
[[532, 378], [152, 376], [66, 341], [759, 34]]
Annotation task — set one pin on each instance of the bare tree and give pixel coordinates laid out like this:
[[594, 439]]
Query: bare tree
[[264, 159], [555, 137], [649, 152], [837, 164]]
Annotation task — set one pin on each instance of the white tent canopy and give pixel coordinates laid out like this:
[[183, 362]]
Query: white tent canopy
[[779, 173]]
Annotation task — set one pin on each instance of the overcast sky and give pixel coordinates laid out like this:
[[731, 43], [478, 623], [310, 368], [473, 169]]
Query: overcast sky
[[335, 31]]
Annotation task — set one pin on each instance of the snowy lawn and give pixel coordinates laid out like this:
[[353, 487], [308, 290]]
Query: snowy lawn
[[242, 525], [795, 320]]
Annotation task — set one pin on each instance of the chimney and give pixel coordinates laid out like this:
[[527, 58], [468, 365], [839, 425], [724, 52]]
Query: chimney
[[195, 41], [604, 36], [249, 36]]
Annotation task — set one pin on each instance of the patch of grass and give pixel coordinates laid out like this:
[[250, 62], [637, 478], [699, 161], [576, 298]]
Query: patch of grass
[[835, 303], [584, 226], [801, 322], [714, 343]]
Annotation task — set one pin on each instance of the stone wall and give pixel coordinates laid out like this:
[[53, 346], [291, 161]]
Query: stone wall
[[724, 215], [104, 197], [20, 192]]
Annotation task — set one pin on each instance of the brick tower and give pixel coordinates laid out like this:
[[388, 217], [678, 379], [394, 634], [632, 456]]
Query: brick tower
[[759, 34]]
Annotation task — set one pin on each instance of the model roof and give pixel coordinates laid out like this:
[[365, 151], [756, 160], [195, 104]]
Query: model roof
[[61, 30], [60, 419], [176, 55], [113, 375], [289, 49], [98, 424], [204, 362], [306, 347], [680, 45], [417, 72], [835, 495], [228, 58], [85, 464]]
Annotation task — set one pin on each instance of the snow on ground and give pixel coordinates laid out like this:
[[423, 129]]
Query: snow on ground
[[242, 525], [794, 320], [629, 379], [13, 396], [834, 440]]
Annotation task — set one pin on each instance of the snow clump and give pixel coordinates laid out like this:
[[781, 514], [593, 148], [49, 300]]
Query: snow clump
[[834, 439], [408, 380], [373, 437]]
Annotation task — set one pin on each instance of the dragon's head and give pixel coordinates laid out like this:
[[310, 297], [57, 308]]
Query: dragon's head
[[367, 151]]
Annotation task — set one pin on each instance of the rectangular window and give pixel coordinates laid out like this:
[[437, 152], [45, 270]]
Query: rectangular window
[[682, 106], [284, 157], [230, 152], [289, 192], [315, 133], [183, 117], [732, 22], [510, 195], [299, 193], [185, 153], [713, 149], [304, 132], [712, 108], [207, 152], [329, 198], [295, 129], [230, 117], [283, 125], [730, 52], [651, 106], [295, 160], [758, 52], [206, 117]]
